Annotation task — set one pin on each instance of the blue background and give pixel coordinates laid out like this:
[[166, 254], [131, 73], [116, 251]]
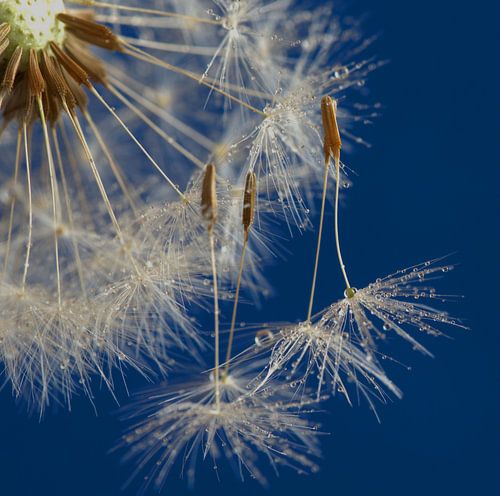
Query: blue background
[[428, 187]]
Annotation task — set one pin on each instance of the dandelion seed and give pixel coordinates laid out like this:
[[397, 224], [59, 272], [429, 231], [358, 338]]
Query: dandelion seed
[[379, 299], [331, 145], [332, 140], [209, 211]]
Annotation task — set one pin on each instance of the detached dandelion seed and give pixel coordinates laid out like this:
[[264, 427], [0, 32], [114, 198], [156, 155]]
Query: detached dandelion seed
[[312, 347]]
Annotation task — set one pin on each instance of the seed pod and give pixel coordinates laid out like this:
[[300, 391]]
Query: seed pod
[[249, 202], [332, 140], [209, 196]]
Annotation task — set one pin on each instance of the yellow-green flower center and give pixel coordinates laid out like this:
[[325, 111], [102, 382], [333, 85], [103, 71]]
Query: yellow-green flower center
[[33, 23]]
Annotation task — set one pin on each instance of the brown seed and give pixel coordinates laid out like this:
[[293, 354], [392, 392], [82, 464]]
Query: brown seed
[[11, 70], [249, 202], [90, 32], [85, 59], [209, 196], [4, 41], [36, 83], [332, 140], [72, 67], [55, 80]]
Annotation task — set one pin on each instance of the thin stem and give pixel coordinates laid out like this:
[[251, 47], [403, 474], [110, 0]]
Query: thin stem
[[320, 236], [168, 139], [55, 196], [100, 185], [235, 306], [69, 209], [77, 176], [30, 207], [13, 201], [115, 168], [125, 84], [160, 13], [138, 143], [337, 239], [170, 47], [216, 317], [142, 55]]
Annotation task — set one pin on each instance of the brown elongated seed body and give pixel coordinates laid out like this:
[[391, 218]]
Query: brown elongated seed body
[[90, 31], [4, 41], [209, 196], [4, 30], [12, 69], [85, 59], [332, 140], [72, 67], [4, 44], [36, 83], [54, 78], [249, 197]]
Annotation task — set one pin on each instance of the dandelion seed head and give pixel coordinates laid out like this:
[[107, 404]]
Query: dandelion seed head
[[101, 269]]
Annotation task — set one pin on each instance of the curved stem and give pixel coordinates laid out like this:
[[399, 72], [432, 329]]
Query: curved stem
[[137, 142], [30, 207], [320, 236], [69, 212], [216, 318], [54, 195], [337, 238]]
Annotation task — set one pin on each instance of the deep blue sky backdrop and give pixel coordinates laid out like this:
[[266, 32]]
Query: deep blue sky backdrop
[[428, 187]]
